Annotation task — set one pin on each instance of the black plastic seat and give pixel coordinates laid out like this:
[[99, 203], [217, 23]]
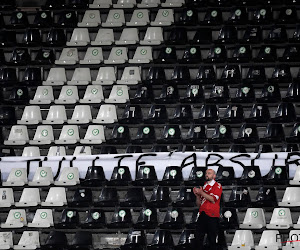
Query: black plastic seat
[[8, 76], [108, 197], [222, 134], [156, 75], [267, 53], [147, 219], [177, 36], [120, 135], [43, 19], [285, 113], [182, 114], [244, 94], [239, 197], [77, 4], [290, 54], [134, 198], [56, 240], [108, 150], [180, 75], [235, 148], [67, 19], [146, 176], [83, 197], [136, 240], [195, 135], [174, 219], [187, 240], [209, 113], [20, 57], [202, 36], [18, 20], [212, 17], [160, 197], [206, 75], [231, 74], [132, 115], [228, 218], [247, 134], [44, 56], [172, 176], [287, 14], [238, 16], [193, 222], [120, 176], [273, 133], [270, 93], [219, 93], [185, 198], [217, 54], [171, 134], [241, 53], [145, 135], [167, 55], [263, 148], [196, 177], [32, 37], [253, 34], [143, 94], [277, 35], [162, 240], [157, 114], [8, 5], [54, 4], [266, 197], [251, 175], [255, 74], [289, 148], [295, 134], [188, 17], [277, 175], [18, 95], [281, 74], [95, 219], [132, 149], [7, 38], [296, 35], [83, 240], [233, 114], [225, 175], [122, 218], [69, 219], [32, 77], [56, 37], [262, 15], [259, 114], [169, 94], [94, 177], [159, 148], [7, 116], [227, 34]]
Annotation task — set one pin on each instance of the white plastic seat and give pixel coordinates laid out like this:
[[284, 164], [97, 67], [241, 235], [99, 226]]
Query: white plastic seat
[[105, 76], [104, 37], [281, 219], [31, 152], [30, 198], [107, 114], [6, 197], [43, 218], [56, 197], [56, 115], [149, 4], [118, 55], [68, 56], [16, 177], [269, 240], [93, 94], [56, 77], [153, 36], [118, 94], [91, 18], [82, 150], [115, 18], [254, 219], [31, 115], [6, 240], [68, 95], [18, 135], [296, 179], [130, 76], [143, 54], [291, 197], [81, 115], [93, 55], [173, 3], [164, 17], [81, 76], [101, 4], [80, 37], [43, 176], [68, 135], [128, 36], [57, 151], [292, 241], [29, 240], [124, 4], [43, 135], [139, 18], [16, 219], [94, 135], [69, 176], [243, 239], [43, 95]]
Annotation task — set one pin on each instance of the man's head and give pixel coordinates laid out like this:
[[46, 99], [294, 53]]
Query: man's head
[[210, 174]]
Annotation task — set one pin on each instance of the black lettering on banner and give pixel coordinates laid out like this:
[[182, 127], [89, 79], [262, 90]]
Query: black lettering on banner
[[214, 163], [194, 161], [237, 156], [294, 237], [288, 160]]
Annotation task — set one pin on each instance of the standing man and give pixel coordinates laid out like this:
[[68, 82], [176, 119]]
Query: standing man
[[208, 199]]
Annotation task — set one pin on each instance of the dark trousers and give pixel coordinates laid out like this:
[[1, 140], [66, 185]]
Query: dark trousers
[[206, 225]]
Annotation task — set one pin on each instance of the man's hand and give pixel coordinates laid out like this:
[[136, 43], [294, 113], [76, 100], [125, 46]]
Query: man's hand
[[198, 191]]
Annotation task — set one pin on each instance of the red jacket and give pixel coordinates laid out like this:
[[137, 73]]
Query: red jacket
[[215, 190]]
